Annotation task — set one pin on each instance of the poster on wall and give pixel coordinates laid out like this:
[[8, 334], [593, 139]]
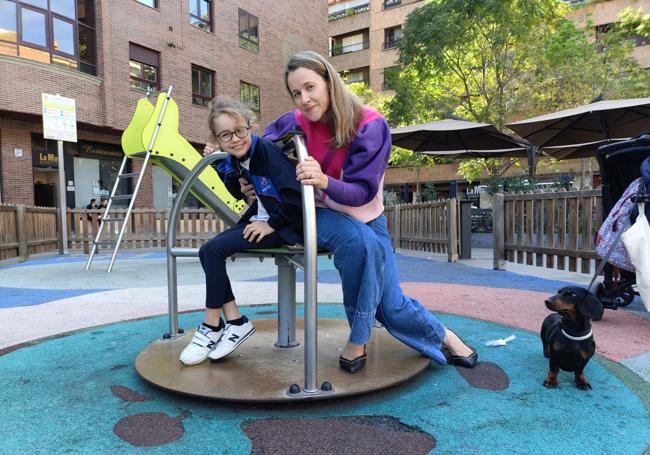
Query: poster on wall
[[59, 118]]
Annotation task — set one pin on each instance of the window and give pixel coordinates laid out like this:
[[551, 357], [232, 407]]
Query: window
[[144, 68], [391, 3], [202, 86], [392, 37], [151, 3], [249, 94], [55, 31], [248, 31], [350, 43], [201, 14], [356, 75]]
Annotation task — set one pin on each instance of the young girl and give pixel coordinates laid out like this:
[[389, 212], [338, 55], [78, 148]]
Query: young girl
[[273, 219]]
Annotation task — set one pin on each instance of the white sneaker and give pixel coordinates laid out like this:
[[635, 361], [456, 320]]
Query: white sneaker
[[203, 342], [233, 336]]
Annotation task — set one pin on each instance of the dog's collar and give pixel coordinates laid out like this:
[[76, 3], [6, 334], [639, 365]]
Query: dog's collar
[[580, 338]]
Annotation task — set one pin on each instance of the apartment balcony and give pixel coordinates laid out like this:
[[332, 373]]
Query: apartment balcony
[[349, 60], [348, 12], [349, 23]]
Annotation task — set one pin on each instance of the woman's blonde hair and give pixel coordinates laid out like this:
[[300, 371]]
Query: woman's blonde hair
[[228, 106], [345, 110]]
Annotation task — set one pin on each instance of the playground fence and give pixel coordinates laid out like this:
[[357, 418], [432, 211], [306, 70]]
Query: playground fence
[[429, 227], [547, 229], [26, 230]]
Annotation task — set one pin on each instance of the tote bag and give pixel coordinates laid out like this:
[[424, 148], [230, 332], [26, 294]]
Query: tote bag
[[637, 243]]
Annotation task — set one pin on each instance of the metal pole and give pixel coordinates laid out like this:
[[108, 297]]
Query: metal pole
[[223, 211], [286, 304], [63, 233], [309, 222]]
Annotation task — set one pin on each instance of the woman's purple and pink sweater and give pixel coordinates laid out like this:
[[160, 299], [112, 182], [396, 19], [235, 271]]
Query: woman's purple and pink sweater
[[356, 171]]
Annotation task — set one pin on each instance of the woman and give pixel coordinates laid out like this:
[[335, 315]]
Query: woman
[[349, 147]]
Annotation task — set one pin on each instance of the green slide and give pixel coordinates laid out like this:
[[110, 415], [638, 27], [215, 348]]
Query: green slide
[[173, 153]]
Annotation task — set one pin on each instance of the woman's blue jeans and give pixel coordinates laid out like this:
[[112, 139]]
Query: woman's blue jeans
[[363, 255]]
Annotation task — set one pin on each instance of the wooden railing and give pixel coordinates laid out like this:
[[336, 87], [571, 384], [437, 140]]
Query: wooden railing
[[552, 230], [26, 230], [147, 228], [429, 227]]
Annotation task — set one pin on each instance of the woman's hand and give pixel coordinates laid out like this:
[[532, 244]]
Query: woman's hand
[[257, 230], [309, 173], [208, 149], [247, 190]]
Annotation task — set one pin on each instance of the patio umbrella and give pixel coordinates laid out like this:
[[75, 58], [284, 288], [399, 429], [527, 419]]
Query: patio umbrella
[[456, 137], [584, 128], [462, 139]]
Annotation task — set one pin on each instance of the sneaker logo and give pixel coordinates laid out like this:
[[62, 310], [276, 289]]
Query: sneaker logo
[[203, 330], [234, 337]]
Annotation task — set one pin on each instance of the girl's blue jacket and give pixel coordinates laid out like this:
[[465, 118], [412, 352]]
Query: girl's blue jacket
[[273, 176]]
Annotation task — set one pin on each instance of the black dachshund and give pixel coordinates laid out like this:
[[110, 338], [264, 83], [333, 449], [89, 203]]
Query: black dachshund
[[566, 334]]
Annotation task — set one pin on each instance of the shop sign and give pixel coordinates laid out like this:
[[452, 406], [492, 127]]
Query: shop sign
[[100, 150], [45, 159], [59, 118]]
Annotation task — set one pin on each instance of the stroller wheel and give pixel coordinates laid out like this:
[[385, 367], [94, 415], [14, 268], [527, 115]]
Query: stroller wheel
[[625, 297]]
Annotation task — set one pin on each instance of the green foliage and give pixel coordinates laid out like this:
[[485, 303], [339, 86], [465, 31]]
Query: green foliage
[[521, 183], [377, 101], [428, 193], [496, 60], [510, 184], [571, 68], [634, 22], [404, 157], [474, 170], [465, 57]]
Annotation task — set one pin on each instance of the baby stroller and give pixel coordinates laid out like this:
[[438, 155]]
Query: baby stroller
[[621, 164]]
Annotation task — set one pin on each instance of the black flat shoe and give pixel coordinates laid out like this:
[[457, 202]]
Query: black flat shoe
[[354, 365], [459, 361]]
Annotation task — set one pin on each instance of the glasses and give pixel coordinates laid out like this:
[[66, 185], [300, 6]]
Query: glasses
[[241, 133]]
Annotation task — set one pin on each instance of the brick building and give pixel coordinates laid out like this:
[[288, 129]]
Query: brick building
[[105, 54]]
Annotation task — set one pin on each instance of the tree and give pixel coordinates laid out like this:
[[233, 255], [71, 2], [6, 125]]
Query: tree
[[466, 57], [494, 60], [572, 67]]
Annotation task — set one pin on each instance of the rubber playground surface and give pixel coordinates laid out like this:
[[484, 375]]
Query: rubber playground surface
[[68, 384]]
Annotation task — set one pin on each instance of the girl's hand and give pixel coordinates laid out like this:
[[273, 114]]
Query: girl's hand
[[257, 230], [309, 173], [247, 190], [208, 149]]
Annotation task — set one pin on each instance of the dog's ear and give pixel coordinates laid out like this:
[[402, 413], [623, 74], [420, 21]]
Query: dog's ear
[[590, 306]]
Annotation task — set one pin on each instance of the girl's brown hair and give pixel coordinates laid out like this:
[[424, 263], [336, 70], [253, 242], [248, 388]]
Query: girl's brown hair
[[345, 110]]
